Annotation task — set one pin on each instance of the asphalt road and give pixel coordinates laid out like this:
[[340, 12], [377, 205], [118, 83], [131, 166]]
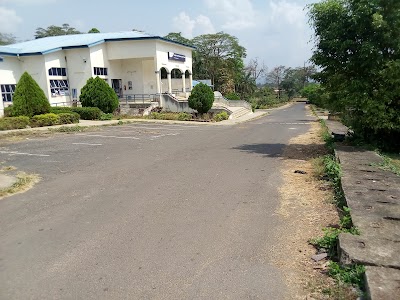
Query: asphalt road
[[148, 211]]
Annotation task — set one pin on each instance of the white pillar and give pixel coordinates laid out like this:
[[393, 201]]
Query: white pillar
[[169, 82], [1, 106], [158, 79], [190, 81], [183, 83]]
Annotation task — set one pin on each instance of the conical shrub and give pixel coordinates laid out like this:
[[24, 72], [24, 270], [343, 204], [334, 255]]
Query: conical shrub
[[29, 99], [97, 93]]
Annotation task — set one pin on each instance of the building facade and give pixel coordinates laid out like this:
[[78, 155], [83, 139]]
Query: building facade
[[132, 63]]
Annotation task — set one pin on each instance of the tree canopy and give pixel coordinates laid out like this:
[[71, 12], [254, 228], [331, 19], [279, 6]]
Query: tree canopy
[[7, 39], [94, 30], [357, 47], [54, 30]]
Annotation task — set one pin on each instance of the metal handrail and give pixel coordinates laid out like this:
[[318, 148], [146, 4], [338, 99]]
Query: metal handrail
[[139, 98]]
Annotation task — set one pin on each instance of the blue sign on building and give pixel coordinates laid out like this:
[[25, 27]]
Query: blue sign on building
[[176, 56]]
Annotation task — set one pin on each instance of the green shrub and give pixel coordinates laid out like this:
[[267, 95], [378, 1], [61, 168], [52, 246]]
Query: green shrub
[[105, 117], [69, 118], [221, 116], [29, 99], [232, 96], [353, 274], [97, 93], [201, 98], [60, 109], [8, 111], [9, 123], [182, 116], [45, 120], [88, 113]]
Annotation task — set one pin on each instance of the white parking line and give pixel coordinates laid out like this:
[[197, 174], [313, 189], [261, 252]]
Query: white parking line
[[87, 144], [22, 153], [162, 135], [110, 136]]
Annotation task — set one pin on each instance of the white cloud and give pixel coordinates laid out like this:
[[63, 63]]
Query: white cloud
[[9, 20], [190, 27], [236, 14]]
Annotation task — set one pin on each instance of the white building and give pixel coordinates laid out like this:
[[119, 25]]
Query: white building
[[133, 63]]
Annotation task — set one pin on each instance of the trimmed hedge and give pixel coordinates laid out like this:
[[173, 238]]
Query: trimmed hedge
[[88, 113], [69, 118], [45, 120], [60, 110], [9, 123], [85, 113]]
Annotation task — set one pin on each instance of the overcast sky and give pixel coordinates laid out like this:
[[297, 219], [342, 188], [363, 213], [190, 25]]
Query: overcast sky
[[275, 31]]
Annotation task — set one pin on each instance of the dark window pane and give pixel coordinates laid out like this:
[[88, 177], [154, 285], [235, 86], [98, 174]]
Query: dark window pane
[[64, 72], [3, 88], [106, 71], [7, 88]]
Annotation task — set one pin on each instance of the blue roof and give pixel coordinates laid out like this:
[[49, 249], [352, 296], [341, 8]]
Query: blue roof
[[56, 43]]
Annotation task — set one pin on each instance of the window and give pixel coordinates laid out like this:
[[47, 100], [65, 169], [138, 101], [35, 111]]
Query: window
[[7, 91], [58, 72], [59, 88], [100, 71]]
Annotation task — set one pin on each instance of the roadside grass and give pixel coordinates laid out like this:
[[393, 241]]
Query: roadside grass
[[24, 182], [391, 162], [349, 280]]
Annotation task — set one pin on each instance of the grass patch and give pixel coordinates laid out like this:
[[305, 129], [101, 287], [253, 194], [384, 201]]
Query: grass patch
[[24, 182], [68, 129], [8, 169], [391, 162]]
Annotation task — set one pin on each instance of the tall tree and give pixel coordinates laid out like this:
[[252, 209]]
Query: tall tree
[[220, 58], [357, 47], [53, 30], [7, 39], [275, 77], [177, 37]]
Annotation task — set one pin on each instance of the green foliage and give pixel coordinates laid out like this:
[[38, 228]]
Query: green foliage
[[68, 129], [221, 116], [352, 275], [328, 241], [219, 57], [7, 39], [88, 113], [358, 51], [97, 93], [201, 98], [29, 99], [182, 116], [232, 96], [177, 37], [9, 123], [105, 117], [69, 118], [61, 109], [8, 111], [53, 30], [94, 30], [45, 120]]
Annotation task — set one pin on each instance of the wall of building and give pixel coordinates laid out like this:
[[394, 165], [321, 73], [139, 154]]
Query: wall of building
[[131, 49], [10, 72], [162, 56], [55, 60], [79, 68]]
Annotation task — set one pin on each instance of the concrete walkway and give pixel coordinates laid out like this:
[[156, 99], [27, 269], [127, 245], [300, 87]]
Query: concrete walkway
[[373, 196]]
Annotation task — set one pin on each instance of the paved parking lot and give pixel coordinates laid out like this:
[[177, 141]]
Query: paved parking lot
[[147, 211]]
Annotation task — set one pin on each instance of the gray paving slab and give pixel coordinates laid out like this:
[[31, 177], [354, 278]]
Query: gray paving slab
[[382, 283]]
